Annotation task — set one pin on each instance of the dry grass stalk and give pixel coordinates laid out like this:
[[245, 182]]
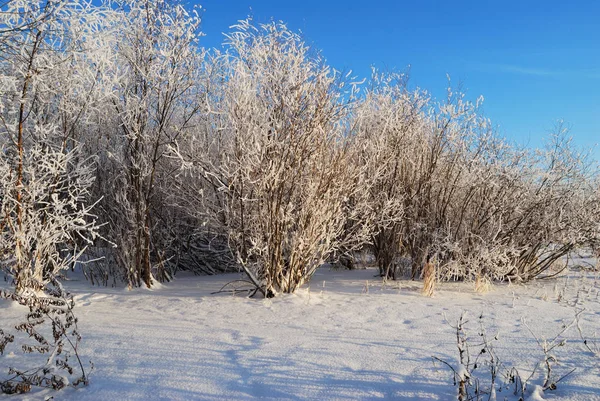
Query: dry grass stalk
[[428, 279], [482, 284]]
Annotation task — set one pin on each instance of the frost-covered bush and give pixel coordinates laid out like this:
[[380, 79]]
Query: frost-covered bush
[[517, 212], [390, 143], [442, 185], [272, 158]]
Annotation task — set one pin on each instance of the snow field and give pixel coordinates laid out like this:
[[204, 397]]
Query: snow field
[[346, 336]]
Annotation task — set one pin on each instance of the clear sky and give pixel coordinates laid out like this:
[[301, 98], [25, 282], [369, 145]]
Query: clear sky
[[534, 61]]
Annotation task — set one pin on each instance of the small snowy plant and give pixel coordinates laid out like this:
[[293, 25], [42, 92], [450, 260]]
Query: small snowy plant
[[51, 329], [480, 375], [471, 385], [589, 340]]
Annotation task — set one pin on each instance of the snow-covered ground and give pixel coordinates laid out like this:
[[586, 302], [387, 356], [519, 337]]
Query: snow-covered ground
[[343, 337]]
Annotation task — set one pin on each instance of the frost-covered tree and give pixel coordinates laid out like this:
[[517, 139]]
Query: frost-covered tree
[[154, 100], [45, 219]]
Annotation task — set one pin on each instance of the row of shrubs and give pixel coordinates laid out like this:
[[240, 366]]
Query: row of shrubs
[[126, 146]]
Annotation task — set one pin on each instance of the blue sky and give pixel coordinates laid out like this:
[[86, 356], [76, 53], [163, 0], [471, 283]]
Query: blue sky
[[534, 61]]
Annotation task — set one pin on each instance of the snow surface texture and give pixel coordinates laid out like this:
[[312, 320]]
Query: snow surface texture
[[343, 337]]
